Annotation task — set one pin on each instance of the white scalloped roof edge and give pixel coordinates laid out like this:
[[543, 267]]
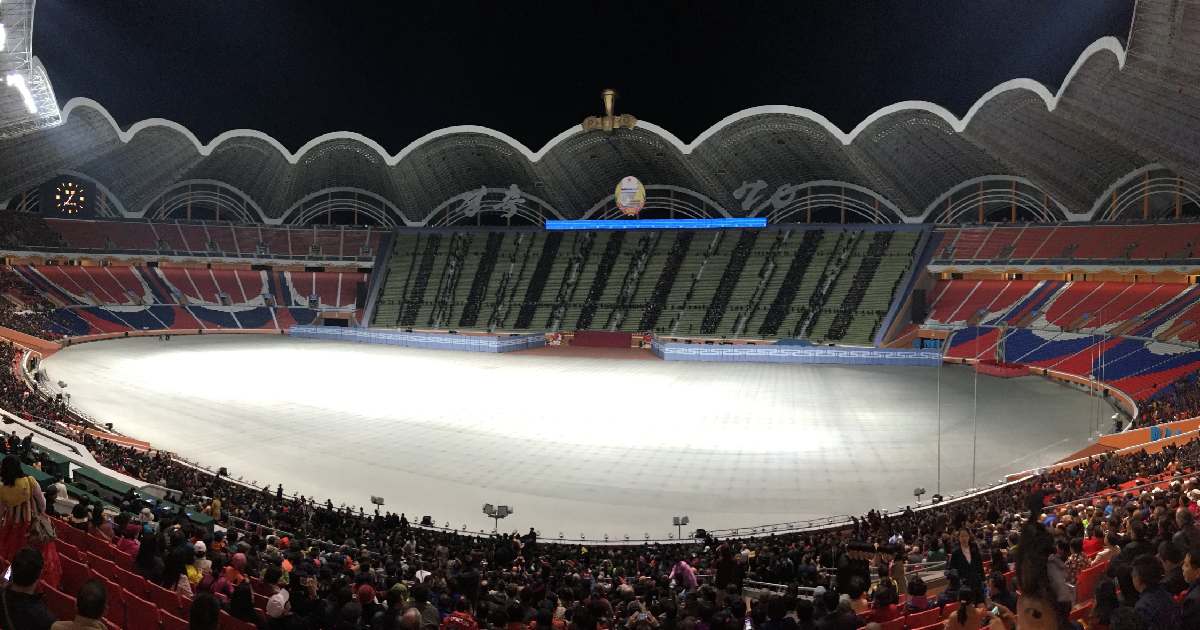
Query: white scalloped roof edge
[[1108, 43]]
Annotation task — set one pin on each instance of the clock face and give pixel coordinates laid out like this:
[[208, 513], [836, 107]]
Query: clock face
[[68, 197]]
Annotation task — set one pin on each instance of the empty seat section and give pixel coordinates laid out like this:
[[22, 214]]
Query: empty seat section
[[1030, 242], [326, 287], [979, 301], [170, 238], [110, 290], [278, 240], [79, 235], [1067, 299], [949, 295], [194, 237], [178, 279], [1096, 296], [353, 241], [1060, 244], [347, 291], [330, 242], [252, 283], [256, 318], [969, 240], [227, 282], [129, 235], [131, 284], [999, 242], [66, 282], [205, 285], [213, 317], [302, 285], [302, 241], [247, 239], [222, 236]]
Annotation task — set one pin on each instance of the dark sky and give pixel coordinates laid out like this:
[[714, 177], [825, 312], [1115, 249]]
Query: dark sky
[[395, 70]]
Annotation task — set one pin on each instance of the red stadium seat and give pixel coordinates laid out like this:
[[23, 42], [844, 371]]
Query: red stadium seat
[[1085, 582], [140, 613], [171, 622], [102, 566], [74, 574], [133, 583], [924, 618], [59, 603], [229, 622]]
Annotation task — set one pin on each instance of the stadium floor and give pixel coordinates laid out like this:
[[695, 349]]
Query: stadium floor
[[576, 445]]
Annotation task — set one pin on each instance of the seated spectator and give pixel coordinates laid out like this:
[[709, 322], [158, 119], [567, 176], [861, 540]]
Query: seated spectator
[[90, 604], [174, 575], [1171, 556], [241, 605], [204, 613], [917, 601], [1154, 603], [278, 605], [1094, 541], [885, 605], [998, 591], [20, 603]]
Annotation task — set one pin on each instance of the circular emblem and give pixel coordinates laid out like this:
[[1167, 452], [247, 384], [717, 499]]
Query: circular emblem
[[630, 196]]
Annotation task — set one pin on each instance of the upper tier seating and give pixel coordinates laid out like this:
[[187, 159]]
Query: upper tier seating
[[195, 238], [1076, 242]]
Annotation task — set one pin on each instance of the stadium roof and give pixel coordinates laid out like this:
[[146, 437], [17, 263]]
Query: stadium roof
[[1119, 114]]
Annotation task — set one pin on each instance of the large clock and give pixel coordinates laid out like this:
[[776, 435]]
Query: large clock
[[68, 197]]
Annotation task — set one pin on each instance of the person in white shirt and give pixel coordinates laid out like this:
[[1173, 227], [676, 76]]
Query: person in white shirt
[[278, 604]]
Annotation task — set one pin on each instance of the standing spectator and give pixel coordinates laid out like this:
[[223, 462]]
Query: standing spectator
[[684, 576], [90, 604], [21, 606], [22, 502], [967, 560]]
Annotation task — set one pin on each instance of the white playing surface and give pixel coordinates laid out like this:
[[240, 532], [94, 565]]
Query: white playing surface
[[576, 445]]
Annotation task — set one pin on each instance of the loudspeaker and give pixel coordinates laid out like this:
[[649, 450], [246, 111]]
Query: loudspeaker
[[360, 294], [917, 310]]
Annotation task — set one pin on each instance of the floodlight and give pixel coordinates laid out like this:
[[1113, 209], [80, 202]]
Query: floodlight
[[17, 81]]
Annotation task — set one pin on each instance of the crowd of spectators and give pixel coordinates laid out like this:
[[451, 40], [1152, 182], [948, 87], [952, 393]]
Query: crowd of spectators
[[20, 230], [22, 308], [327, 566], [1178, 401]]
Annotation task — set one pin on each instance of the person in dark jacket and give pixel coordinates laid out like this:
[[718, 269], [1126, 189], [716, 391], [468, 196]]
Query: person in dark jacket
[[967, 561], [1120, 567], [21, 604], [1190, 608], [1154, 604]]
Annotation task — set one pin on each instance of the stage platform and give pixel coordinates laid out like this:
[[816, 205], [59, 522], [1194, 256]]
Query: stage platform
[[579, 444]]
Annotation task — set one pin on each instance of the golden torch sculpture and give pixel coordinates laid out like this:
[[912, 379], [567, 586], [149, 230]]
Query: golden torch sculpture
[[608, 122]]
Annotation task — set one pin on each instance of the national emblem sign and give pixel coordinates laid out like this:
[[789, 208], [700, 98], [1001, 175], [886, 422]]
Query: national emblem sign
[[630, 196]]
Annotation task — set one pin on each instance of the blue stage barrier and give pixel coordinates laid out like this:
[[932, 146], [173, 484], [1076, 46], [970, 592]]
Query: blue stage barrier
[[432, 341], [795, 354]]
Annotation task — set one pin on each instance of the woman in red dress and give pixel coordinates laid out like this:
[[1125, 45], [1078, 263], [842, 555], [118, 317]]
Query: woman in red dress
[[21, 501]]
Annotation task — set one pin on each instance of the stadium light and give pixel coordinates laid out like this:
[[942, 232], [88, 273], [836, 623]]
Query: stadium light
[[17, 81], [679, 522], [3, 37], [496, 513]]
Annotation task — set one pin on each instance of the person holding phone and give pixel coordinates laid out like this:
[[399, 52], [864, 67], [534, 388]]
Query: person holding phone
[[21, 606]]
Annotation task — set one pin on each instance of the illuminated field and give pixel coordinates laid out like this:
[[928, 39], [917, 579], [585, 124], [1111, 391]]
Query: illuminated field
[[578, 445]]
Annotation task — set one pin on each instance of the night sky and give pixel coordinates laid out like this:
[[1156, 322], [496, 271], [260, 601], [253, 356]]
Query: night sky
[[397, 70]]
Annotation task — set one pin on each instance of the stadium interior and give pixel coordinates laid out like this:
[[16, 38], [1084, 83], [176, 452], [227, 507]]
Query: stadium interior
[[1050, 236]]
